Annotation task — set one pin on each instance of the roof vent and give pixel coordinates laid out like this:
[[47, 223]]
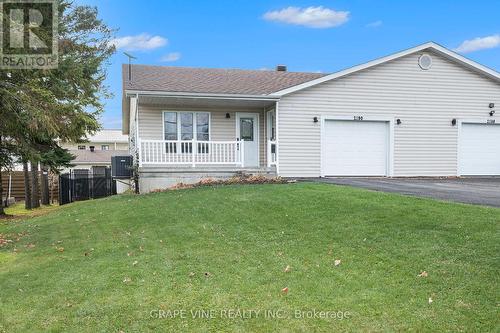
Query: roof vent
[[425, 61], [281, 68]]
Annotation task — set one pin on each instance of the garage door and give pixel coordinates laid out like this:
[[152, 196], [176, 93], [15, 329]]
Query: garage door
[[355, 148], [479, 150]]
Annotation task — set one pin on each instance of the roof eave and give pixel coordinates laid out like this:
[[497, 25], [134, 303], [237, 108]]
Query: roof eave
[[133, 92]]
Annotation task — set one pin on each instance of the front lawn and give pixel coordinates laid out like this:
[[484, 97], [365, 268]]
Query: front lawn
[[114, 264]]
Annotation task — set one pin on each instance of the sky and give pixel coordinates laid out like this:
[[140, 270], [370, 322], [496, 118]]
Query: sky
[[313, 36]]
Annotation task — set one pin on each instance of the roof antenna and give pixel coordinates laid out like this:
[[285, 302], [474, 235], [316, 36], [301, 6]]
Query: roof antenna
[[130, 57]]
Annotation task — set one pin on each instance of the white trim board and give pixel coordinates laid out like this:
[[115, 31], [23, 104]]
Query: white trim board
[[430, 45], [372, 118]]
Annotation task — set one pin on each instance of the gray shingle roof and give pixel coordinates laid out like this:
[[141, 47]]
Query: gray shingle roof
[[214, 81]]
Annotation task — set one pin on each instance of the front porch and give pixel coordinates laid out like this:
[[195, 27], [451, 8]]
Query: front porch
[[186, 138], [209, 155]]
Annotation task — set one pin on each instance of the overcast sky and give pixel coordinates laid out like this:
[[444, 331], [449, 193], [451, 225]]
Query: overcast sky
[[313, 36]]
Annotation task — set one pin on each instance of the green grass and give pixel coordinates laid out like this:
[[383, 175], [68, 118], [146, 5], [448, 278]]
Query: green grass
[[17, 210], [244, 237]]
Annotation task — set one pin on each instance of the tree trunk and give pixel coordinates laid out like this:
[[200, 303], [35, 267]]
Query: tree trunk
[[35, 186], [45, 186], [2, 212], [27, 187]]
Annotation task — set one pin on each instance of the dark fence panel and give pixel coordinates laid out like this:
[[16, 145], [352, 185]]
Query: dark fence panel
[[80, 184]]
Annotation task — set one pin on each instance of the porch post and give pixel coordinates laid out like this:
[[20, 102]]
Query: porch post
[[242, 153], [193, 150]]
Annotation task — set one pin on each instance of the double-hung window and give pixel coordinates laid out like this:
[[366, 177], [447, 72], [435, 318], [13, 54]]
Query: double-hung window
[[185, 126]]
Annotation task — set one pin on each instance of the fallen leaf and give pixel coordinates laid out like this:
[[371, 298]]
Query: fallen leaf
[[423, 274], [129, 254], [60, 249], [30, 245], [288, 269], [141, 248], [135, 263], [337, 262], [430, 300], [191, 274], [285, 290], [161, 241], [127, 280], [128, 233]]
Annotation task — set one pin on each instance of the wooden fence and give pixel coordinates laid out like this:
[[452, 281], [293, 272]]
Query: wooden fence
[[17, 181]]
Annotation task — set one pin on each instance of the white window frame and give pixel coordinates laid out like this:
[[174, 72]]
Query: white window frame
[[375, 118], [195, 134], [102, 146]]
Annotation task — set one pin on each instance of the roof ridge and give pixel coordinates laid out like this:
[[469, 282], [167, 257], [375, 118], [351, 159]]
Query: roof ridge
[[224, 69]]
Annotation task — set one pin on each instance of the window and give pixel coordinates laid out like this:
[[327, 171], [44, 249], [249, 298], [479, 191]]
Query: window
[[104, 147], [202, 126], [190, 125], [271, 125], [246, 129], [187, 126], [82, 147], [170, 125]]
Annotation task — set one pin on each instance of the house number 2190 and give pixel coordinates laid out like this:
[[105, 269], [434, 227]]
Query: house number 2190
[[358, 117]]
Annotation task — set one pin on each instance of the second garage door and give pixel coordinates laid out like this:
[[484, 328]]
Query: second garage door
[[355, 148], [479, 150]]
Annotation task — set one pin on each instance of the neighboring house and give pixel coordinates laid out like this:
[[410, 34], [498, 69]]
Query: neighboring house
[[98, 149], [426, 111]]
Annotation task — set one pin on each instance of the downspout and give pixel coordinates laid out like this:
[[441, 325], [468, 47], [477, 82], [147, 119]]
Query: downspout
[[277, 140], [138, 143]]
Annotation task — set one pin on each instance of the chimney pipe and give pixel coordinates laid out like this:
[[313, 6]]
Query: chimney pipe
[[281, 68]]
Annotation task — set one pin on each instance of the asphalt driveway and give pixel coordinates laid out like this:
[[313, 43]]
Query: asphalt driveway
[[479, 191]]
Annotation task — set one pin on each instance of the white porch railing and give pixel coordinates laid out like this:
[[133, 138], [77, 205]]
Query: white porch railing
[[192, 152], [271, 153]]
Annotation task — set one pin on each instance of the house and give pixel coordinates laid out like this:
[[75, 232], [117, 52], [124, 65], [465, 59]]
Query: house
[[425, 111], [96, 151]]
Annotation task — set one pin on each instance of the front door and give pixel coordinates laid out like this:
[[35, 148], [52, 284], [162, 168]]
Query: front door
[[247, 131]]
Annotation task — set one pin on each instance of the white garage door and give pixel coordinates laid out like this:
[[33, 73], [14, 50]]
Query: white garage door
[[355, 148], [479, 150]]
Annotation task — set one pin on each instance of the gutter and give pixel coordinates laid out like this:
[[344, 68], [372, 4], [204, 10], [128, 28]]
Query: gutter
[[129, 92]]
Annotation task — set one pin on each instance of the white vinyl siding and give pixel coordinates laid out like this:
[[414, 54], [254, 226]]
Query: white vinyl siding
[[426, 101]]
